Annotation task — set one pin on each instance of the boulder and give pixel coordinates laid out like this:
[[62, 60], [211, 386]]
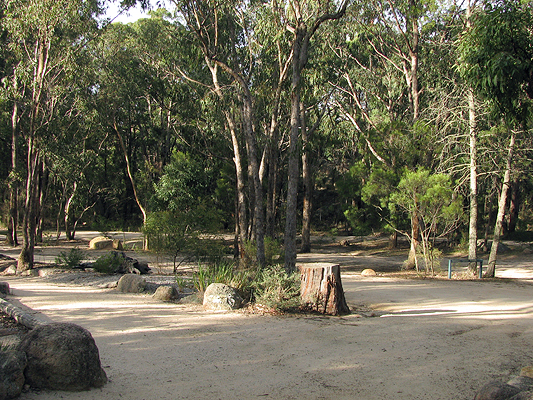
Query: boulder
[[496, 391], [62, 356], [100, 243], [368, 272], [131, 283], [12, 365], [220, 297], [166, 293]]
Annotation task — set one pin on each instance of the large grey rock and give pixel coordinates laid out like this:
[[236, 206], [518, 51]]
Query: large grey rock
[[166, 293], [62, 356], [131, 283], [220, 297], [100, 243], [496, 391], [12, 365]]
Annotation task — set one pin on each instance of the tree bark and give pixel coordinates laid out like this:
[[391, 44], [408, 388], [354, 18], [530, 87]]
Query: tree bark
[[321, 289], [308, 187], [491, 269], [472, 231], [12, 238], [472, 131]]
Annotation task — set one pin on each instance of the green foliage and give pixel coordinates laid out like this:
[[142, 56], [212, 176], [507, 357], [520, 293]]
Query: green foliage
[[276, 289], [224, 272], [430, 198], [496, 56], [180, 233], [273, 253], [108, 263], [71, 259]]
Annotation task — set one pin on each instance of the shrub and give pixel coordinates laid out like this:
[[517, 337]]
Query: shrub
[[276, 289], [109, 263], [71, 259], [224, 272]]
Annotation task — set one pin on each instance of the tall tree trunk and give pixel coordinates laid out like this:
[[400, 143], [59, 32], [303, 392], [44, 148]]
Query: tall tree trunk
[[308, 186], [491, 269], [472, 133], [472, 231], [412, 261], [241, 217], [259, 218], [29, 223], [300, 49], [298, 62], [514, 206], [12, 238]]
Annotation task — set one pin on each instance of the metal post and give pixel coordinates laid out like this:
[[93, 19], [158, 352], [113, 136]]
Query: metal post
[[449, 269], [480, 269]]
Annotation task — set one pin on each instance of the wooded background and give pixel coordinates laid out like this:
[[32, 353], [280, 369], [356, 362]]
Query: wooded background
[[269, 119]]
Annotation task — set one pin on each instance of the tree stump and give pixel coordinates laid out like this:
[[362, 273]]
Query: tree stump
[[321, 289]]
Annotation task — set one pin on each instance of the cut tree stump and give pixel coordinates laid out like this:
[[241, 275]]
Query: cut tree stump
[[321, 289]]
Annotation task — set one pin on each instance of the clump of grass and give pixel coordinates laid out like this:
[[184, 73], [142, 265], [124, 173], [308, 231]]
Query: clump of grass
[[71, 259], [276, 289]]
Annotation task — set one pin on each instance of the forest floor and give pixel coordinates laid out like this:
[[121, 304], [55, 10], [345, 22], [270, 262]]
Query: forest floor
[[408, 336]]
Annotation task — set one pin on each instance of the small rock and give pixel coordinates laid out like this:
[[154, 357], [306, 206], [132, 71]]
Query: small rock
[[4, 288], [220, 297], [11, 270], [166, 293], [30, 272], [368, 272], [496, 391], [131, 283], [527, 371]]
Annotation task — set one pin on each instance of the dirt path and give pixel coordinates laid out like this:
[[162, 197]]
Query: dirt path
[[427, 339]]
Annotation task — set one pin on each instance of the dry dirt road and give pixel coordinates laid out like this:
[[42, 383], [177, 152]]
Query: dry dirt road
[[406, 339]]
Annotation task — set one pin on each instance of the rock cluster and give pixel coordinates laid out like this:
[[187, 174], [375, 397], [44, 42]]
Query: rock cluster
[[518, 388]]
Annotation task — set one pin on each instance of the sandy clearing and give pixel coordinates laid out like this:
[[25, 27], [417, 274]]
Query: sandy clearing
[[432, 340]]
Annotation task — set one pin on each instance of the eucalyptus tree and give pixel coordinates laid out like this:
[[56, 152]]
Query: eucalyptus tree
[[303, 19], [44, 37], [497, 61]]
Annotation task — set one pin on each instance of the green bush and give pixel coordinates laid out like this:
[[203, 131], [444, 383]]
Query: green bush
[[70, 259], [278, 290], [109, 263]]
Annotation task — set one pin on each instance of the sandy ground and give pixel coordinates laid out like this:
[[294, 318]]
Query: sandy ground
[[406, 339]]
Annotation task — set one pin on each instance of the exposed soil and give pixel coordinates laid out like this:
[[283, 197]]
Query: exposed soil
[[408, 337]]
